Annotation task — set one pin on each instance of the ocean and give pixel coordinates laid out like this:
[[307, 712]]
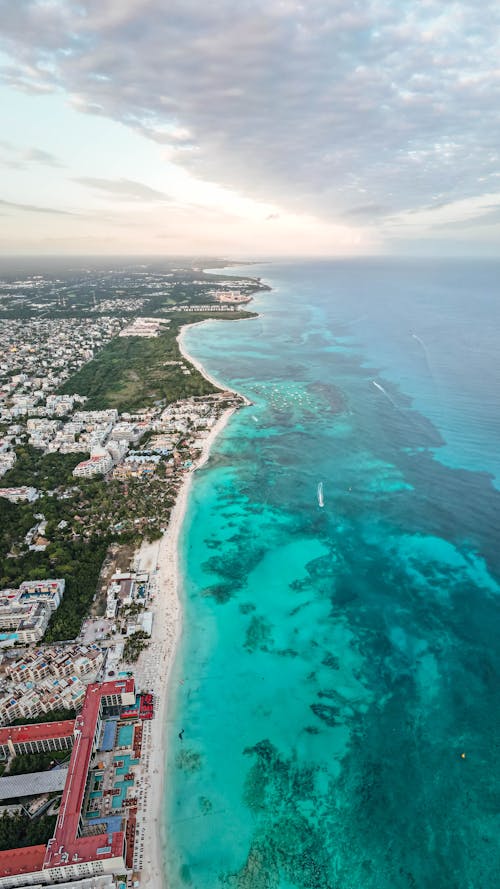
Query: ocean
[[338, 675]]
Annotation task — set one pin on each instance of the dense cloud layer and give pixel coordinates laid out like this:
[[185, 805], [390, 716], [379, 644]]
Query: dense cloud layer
[[355, 111]]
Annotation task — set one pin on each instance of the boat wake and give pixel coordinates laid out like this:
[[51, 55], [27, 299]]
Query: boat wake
[[385, 392], [321, 501]]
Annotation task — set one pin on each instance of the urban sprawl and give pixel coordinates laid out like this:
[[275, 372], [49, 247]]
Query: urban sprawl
[[82, 485]]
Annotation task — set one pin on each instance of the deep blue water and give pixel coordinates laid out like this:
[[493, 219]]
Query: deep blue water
[[338, 678]]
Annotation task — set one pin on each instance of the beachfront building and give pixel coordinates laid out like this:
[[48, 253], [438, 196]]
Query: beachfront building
[[206, 307], [127, 587], [40, 738], [104, 882], [231, 296], [74, 853]]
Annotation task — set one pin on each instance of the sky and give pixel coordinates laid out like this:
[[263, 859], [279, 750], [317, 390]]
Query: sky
[[250, 127]]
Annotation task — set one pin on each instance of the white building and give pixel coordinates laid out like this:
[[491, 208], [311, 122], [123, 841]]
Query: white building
[[17, 494], [7, 460], [95, 465], [25, 613]]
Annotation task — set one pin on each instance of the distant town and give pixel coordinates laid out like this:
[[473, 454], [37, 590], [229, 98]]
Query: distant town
[[102, 418]]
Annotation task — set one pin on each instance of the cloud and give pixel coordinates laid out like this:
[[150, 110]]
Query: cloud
[[30, 208], [18, 158], [127, 189], [39, 156], [447, 214], [325, 108], [367, 211]]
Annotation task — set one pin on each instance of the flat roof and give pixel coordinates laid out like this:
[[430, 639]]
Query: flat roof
[[42, 731], [33, 783], [65, 841], [66, 847], [21, 861]]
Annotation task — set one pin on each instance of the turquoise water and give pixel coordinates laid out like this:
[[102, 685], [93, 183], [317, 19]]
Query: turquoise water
[[125, 736], [122, 786], [338, 677], [128, 762]]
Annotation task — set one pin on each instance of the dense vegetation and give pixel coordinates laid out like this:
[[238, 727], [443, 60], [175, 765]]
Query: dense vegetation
[[130, 373], [52, 716], [93, 515], [79, 563], [20, 830], [44, 472], [81, 571], [25, 763], [15, 521]]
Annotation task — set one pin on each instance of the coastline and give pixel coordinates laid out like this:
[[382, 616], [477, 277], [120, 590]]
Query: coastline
[[154, 668], [199, 366]]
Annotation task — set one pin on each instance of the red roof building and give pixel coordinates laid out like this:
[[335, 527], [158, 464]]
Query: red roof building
[[80, 856], [41, 738]]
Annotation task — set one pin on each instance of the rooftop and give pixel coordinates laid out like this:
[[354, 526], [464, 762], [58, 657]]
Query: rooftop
[[32, 784], [64, 841], [21, 861], [44, 731], [66, 847]]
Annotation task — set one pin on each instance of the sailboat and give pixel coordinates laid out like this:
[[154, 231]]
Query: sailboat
[[321, 501]]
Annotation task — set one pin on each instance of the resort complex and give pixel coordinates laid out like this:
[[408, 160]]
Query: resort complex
[[101, 786], [25, 613]]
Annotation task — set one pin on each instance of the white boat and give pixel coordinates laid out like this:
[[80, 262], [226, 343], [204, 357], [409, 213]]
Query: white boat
[[321, 501]]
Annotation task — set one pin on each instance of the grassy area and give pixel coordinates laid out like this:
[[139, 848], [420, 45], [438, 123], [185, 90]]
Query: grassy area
[[131, 372]]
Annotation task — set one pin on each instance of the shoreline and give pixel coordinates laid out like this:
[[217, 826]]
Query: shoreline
[[199, 366], [155, 665]]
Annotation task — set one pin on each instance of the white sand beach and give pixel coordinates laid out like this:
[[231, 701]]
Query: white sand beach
[[154, 667], [198, 365]]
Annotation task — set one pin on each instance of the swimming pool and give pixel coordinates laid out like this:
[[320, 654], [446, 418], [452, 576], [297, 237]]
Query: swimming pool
[[128, 762], [125, 735], [122, 786], [108, 735]]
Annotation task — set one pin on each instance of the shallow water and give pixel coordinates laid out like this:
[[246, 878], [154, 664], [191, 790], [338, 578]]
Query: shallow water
[[337, 662]]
